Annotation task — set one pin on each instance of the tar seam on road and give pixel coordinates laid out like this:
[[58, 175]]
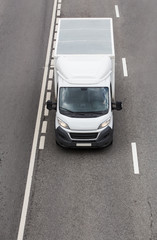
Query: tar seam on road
[[135, 158], [125, 71], [36, 131], [117, 11]]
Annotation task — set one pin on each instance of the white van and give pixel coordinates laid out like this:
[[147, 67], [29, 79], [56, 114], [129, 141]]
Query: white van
[[84, 82]]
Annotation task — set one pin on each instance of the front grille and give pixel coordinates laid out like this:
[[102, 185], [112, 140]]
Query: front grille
[[83, 135]]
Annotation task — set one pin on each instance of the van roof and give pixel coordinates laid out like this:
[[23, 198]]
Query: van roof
[[85, 36]]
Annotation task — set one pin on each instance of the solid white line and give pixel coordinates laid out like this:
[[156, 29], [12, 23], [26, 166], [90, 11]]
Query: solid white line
[[36, 131], [42, 142], [51, 74], [48, 96], [117, 11], [125, 71], [49, 85], [44, 127], [135, 158]]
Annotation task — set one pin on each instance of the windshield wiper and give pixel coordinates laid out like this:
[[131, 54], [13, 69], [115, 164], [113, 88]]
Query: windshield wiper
[[92, 113], [66, 110], [89, 113], [81, 113], [98, 112]]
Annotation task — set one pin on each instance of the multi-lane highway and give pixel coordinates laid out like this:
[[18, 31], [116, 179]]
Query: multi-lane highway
[[77, 194]]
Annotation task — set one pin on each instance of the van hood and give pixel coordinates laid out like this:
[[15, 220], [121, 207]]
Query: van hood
[[82, 124]]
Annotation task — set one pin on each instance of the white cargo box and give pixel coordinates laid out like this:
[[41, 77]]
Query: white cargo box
[[83, 36]]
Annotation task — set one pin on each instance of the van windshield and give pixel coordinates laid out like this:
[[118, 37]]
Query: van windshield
[[84, 101]]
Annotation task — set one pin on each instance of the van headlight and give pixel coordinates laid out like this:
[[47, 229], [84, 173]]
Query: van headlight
[[63, 124], [105, 123]]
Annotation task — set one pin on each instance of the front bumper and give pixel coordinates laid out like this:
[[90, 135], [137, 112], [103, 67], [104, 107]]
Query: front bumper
[[104, 139]]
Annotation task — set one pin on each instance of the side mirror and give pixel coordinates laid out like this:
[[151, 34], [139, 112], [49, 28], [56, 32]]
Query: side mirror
[[117, 106], [50, 105]]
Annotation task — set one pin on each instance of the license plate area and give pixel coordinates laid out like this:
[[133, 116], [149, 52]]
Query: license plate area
[[83, 144]]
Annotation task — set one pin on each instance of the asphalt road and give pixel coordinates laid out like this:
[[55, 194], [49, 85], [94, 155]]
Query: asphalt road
[[86, 194], [24, 30]]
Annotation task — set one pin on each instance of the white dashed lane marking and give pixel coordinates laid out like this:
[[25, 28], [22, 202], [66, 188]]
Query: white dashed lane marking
[[58, 13], [125, 71], [117, 11], [42, 142], [54, 44], [135, 158], [56, 28], [48, 96], [53, 52], [59, 6], [52, 63], [55, 36], [57, 20], [44, 127], [49, 85], [46, 112], [51, 74]]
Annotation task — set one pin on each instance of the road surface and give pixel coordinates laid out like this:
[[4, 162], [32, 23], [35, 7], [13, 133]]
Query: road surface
[[82, 194]]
